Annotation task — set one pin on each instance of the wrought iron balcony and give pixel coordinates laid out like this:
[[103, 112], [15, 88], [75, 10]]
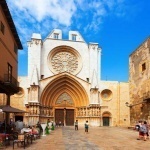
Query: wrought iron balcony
[[9, 84], [9, 79]]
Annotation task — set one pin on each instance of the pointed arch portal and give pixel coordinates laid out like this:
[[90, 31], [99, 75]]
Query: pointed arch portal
[[64, 84], [64, 94]]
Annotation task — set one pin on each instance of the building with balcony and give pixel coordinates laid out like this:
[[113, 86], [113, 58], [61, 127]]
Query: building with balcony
[[139, 82], [9, 45]]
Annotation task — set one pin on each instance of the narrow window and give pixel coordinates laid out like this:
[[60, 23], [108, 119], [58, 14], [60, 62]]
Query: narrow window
[[74, 37], [56, 35], [42, 76], [9, 72], [2, 27], [143, 67]]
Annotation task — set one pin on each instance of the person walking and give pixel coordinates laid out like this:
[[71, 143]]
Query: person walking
[[76, 125], [86, 127], [143, 131]]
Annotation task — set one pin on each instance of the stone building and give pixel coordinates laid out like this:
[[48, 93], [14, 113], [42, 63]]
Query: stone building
[[139, 83], [63, 84]]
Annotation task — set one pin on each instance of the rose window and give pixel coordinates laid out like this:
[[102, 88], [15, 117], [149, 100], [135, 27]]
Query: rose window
[[64, 61]]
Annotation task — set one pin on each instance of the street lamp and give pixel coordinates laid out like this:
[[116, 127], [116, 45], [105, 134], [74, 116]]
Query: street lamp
[[131, 105]]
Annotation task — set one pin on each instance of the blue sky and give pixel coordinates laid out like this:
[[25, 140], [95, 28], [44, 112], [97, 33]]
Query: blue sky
[[119, 26]]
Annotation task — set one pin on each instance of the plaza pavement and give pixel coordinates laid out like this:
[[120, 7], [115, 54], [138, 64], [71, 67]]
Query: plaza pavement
[[98, 138]]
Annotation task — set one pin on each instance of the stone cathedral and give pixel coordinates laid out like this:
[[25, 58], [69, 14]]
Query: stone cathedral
[[64, 84]]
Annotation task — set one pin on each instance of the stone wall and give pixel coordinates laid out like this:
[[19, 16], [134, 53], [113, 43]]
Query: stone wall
[[114, 95], [139, 83]]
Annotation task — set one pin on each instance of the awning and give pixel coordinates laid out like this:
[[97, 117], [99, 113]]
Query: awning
[[9, 109]]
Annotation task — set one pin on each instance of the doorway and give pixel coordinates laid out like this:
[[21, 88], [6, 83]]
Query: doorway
[[105, 121], [18, 118], [66, 116], [59, 116], [70, 117]]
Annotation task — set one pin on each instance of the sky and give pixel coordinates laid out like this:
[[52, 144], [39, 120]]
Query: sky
[[119, 26]]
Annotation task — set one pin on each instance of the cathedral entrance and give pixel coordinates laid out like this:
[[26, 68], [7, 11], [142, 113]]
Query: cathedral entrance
[[70, 117], [65, 116], [62, 100], [59, 116], [105, 121]]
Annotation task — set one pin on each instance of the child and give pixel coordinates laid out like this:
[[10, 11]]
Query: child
[[86, 126]]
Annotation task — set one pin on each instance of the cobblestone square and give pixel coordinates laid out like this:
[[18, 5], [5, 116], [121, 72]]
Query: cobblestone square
[[98, 138]]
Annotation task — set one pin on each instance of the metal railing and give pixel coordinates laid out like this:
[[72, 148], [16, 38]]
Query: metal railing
[[9, 79]]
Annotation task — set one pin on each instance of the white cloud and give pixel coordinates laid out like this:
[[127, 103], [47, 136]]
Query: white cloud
[[44, 15], [58, 10], [100, 10], [65, 12]]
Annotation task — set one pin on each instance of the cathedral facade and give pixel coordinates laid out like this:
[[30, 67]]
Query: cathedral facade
[[64, 84]]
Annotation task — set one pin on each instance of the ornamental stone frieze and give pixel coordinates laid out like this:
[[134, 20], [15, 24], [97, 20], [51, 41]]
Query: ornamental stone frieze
[[37, 109], [46, 111], [88, 111]]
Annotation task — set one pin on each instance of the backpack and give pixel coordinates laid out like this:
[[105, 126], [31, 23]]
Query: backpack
[[143, 129]]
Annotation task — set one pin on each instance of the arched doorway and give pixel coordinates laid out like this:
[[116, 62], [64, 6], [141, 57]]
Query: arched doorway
[[64, 110], [63, 95], [106, 118]]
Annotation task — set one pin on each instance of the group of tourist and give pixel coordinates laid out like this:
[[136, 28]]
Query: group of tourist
[[33, 130], [143, 128], [86, 126], [37, 128], [7, 127]]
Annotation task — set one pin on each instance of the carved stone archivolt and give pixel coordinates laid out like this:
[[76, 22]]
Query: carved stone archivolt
[[64, 59]]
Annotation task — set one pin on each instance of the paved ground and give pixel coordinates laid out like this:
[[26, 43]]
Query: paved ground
[[98, 138]]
